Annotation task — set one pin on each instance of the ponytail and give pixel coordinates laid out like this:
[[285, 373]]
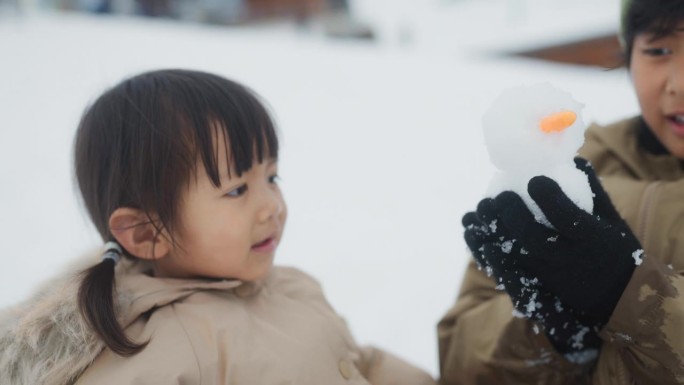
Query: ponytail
[[96, 303]]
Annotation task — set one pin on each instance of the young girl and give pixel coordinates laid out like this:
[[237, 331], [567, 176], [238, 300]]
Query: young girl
[[178, 171], [607, 301]]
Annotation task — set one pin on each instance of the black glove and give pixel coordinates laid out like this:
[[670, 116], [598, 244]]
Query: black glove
[[499, 256], [587, 260]]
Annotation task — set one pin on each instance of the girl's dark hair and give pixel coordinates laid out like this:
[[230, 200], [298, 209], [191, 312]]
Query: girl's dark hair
[[140, 143], [659, 17]]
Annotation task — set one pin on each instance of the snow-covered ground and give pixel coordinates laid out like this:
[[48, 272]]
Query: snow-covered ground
[[382, 150]]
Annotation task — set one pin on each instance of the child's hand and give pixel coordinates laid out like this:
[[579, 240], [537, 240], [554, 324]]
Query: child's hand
[[498, 255], [587, 260]]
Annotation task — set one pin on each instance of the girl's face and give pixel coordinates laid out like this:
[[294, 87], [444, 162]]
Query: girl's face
[[230, 231], [657, 69]]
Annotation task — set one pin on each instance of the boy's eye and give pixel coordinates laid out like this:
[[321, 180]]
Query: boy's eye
[[236, 192], [273, 179], [657, 51]]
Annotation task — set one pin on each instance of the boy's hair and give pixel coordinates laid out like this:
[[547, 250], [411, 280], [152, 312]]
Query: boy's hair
[[660, 17], [141, 143]]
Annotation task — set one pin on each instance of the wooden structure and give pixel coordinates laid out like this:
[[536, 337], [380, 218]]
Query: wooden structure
[[602, 51]]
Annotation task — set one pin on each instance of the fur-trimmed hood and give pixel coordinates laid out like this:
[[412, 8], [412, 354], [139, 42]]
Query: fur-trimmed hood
[[45, 340]]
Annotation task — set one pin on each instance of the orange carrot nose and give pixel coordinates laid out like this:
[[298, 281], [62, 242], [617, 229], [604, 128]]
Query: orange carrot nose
[[557, 122]]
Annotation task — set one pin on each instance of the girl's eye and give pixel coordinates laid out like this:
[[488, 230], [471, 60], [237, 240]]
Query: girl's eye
[[236, 192], [657, 51], [273, 179]]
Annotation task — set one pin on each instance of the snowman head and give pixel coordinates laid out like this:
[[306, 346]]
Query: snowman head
[[535, 127]]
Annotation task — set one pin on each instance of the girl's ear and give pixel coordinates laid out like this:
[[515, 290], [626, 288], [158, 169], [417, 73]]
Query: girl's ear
[[135, 232]]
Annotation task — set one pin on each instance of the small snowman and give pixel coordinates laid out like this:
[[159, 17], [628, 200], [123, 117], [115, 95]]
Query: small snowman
[[536, 130]]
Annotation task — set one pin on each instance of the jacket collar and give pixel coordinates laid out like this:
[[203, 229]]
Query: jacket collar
[[647, 140], [140, 292]]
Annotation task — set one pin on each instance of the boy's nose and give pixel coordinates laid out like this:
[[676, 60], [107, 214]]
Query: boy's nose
[[675, 78]]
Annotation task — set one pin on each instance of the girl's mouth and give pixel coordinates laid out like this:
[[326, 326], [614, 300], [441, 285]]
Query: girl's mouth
[[265, 246]]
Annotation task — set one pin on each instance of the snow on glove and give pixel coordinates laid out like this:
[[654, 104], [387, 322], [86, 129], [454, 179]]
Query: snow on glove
[[480, 229], [499, 257], [587, 260]]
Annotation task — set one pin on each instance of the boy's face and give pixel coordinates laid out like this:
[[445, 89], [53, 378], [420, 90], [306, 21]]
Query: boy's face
[[657, 69], [230, 231]]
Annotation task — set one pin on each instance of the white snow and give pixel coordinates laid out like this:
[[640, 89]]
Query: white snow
[[507, 246], [543, 360], [558, 305], [532, 305], [382, 148], [515, 313], [578, 338], [624, 337], [583, 356], [492, 225], [638, 256]]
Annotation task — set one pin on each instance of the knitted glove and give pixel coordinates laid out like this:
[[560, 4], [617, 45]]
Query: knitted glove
[[587, 260], [498, 255]]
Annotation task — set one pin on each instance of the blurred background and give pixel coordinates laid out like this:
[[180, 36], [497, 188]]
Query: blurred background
[[378, 103]]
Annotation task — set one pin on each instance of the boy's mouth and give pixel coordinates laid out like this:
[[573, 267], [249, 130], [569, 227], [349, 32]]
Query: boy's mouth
[[676, 124], [678, 119]]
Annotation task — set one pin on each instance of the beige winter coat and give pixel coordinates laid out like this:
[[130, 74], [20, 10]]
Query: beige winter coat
[[480, 342], [279, 331]]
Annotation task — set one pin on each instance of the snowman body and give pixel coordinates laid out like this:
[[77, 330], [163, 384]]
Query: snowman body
[[536, 130]]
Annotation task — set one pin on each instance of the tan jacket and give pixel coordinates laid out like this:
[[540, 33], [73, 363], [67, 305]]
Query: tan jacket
[[279, 331], [480, 342]]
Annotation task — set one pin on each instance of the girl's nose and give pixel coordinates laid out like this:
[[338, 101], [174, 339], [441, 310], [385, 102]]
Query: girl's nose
[[271, 206]]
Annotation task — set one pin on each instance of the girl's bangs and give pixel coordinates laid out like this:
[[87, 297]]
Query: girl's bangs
[[232, 113]]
